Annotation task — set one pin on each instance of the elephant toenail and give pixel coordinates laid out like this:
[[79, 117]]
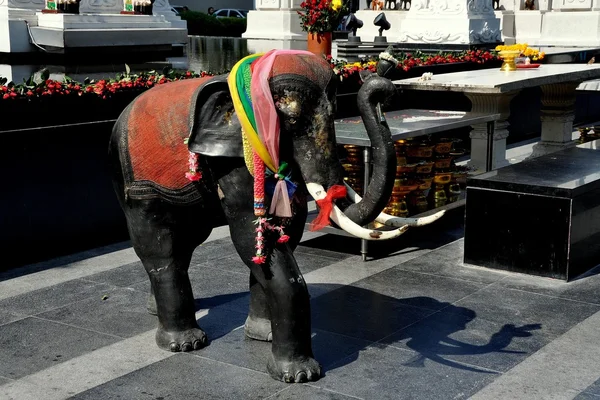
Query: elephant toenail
[[301, 377], [204, 340], [174, 347], [197, 344], [287, 377], [187, 346], [270, 337]]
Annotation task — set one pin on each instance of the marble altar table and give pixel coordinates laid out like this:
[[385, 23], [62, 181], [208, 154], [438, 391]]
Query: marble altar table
[[491, 91]]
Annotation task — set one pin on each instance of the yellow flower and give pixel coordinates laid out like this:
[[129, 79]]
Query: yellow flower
[[336, 5]]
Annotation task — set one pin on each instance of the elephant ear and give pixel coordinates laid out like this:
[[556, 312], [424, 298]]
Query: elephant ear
[[215, 128]]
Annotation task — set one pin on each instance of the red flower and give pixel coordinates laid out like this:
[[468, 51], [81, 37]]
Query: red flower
[[259, 259], [5, 96], [283, 239]]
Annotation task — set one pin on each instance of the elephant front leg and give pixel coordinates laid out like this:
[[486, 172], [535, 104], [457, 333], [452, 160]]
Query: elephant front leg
[[292, 357]]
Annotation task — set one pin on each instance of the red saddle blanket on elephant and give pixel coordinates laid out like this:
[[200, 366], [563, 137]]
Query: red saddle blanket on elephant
[[158, 122]]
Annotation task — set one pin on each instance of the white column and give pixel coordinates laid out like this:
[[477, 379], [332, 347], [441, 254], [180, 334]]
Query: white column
[[275, 20], [490, 104]]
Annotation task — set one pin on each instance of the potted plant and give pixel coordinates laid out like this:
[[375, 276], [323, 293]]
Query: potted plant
[[320, 18]]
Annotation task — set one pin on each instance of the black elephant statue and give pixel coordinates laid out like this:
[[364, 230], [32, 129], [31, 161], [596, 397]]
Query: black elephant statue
[[182, 164]]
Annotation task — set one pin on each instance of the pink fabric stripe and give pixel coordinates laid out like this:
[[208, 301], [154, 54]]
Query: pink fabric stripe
[[267, 122]]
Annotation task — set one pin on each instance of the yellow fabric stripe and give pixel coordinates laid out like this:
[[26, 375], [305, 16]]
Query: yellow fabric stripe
[[251, 134]]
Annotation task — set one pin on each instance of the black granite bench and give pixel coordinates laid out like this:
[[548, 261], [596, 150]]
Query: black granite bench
[[539, 217]]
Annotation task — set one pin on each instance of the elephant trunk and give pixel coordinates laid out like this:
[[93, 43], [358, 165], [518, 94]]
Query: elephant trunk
[[375, 91]]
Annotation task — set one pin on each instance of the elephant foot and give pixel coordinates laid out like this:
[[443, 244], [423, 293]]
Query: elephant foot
[[258, 329], [151, 305], [186, 340], [302, 369]]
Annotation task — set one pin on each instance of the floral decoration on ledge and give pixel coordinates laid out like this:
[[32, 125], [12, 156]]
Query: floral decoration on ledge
[[525, 51], [348, 73], [104, 88]]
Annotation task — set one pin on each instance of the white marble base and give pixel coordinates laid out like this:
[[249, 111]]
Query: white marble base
[[451, 29], [102, 30], [566, 28], [14, 37], [274, 24]]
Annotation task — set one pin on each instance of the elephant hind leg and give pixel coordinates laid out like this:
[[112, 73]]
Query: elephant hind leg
[[164, 237]]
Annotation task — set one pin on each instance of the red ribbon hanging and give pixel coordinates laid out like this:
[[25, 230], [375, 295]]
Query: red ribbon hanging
[[325, 206]]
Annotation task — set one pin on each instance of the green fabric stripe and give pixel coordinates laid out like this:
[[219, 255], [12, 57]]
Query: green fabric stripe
[[243, 81]]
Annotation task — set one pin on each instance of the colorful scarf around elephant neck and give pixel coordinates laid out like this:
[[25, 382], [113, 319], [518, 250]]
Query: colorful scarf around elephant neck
[[253, 103], [255, 108]]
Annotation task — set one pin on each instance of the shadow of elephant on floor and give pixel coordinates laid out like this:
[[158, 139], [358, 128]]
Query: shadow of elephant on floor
[[347, 320]]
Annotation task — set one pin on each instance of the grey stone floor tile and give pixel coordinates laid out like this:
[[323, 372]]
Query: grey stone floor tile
[[235, 348], [4, 381], [306, 262], [184, 376], [41, 300], [220, 322], [123, 313], [419, 290], [448, 261], [384, 372], [7, 316], [211, 287], [32, 344], [310, 391], [584, 289], [506, 306], [586, 396], [315, 251], [448, 337], [362, 313], [123, 276], [214, 250]]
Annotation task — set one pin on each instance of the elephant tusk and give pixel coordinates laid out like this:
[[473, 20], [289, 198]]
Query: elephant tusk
[[397, 222], [318, 193]]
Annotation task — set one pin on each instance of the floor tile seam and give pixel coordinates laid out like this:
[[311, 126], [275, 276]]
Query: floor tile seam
[[308, 253], [112, 284], [277, 392], [223, 270], [85, 329], [21, 317], [546, 295], [113, 288], [455, 361], [229, 364], [407, 326], [448, 277], [333, 391], [369, 342]]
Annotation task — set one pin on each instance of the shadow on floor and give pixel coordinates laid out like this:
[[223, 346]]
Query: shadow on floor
[[348, 319]]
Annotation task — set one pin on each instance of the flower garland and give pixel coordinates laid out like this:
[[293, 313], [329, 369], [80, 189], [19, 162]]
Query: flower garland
[[525, 50]]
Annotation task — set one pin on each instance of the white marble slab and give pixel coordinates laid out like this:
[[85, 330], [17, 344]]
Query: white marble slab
[[495, 81]]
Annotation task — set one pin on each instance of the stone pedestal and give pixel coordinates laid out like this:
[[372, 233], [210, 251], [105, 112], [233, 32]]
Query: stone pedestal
[[276, 20], [538, 217], [557, 115], [490, 104], [460, 22], [69, 31], [99, 24]]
